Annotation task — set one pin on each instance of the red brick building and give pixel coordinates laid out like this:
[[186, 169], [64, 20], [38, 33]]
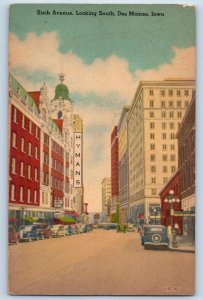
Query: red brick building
[[166, 218]]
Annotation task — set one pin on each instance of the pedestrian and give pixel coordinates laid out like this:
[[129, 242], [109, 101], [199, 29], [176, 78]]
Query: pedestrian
[[169, 234]]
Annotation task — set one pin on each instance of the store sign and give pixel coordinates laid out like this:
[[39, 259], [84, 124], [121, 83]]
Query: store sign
[[78, 160], [184, 213]]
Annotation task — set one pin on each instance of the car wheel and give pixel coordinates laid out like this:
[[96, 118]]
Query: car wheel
[[156, 238]]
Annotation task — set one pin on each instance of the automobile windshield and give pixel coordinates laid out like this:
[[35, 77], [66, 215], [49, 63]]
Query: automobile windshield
[[156, 229]]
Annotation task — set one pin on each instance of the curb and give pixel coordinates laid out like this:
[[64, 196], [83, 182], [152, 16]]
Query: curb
[[181, 250]]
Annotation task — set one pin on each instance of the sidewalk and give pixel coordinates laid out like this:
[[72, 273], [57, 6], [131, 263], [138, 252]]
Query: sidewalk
[[184, 245]]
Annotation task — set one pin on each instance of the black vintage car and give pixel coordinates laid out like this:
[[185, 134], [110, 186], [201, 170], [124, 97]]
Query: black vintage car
[[154, 236]]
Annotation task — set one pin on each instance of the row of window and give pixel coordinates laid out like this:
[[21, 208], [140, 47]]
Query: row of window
[[167, 114], [23, 146], [25, 122], [164, 125], [57, 148], [164, 157], [31, 197], [171, 92], [170, 103], [22, 169], [57, 165], [165, 169], [154, 180], [164, 147], [171, 136]]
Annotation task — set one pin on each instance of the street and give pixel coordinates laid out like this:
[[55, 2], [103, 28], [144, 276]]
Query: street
[[98, 263]]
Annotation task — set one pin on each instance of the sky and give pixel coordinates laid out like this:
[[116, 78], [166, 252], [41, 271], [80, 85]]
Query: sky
[[103, 59]]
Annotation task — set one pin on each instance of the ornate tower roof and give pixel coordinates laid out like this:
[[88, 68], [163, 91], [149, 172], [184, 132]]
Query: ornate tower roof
[[61, 90]]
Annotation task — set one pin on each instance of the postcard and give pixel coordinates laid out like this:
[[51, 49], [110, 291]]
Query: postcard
[[101, 149]]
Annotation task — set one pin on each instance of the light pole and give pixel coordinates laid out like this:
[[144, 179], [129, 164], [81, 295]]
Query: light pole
[[172, 199], [155, 214]]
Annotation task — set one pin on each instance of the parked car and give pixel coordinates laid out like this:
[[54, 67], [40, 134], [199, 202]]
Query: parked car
[[58, 230], [82, 228], [13, 235], [44, 231], [154, 236], [121, 228], [77, 229], [30, 233], [70, 230], [110, 226], [131, 228]]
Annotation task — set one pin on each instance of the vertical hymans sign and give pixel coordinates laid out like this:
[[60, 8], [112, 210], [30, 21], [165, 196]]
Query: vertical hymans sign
[[78, 159]]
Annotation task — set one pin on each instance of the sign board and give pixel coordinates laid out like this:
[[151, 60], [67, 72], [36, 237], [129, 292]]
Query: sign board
[[184, 213], [78, 159]]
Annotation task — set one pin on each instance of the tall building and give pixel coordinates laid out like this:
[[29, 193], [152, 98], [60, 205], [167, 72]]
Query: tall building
[[123, 164], [114, 176], [78, 189], [41, 149], [186, 164], [156, 112], [106, 195]]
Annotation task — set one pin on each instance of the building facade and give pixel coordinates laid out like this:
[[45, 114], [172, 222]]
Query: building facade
[[106, 196], [123, 165], [156, 112], [40, 152], [186, 164], [114, 176]]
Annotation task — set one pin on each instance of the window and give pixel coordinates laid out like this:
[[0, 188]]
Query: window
[[178, 93], [22, 144], [163, 103], [22, 169], [165, 170], [30, 126], [28, 196], [173, 169], [164, 136], [162, 92], [14, 141], [186, 93], [154, 192], [152, 157], [35, 174], [179, 114], [164, 147], [35, 196], [186, 103], [151, 103], [14, 115], [173, 136], [12, 192], [163, 114], [153, 169], [165, 179], [21, 194], [46, 139], [37, 132], [36, 152], [171, 114], [29, 149], [172, 126], [164, 157], [179, 103], [152, 125], [163, 125], [23, 121], [153, 180], [29, 172], [172, 147], [173, 157], [151, 92], [152, 136], [13, 165], [152, 146], [170, 104], [170, 92], [151, 114]]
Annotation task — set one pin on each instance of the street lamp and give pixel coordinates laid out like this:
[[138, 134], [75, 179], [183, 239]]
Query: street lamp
[[172, 199]]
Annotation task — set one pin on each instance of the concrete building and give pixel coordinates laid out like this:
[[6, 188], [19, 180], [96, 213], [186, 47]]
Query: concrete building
[[106, 195], [123, 165], [156, 112], [186, 164], [114, 176]]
